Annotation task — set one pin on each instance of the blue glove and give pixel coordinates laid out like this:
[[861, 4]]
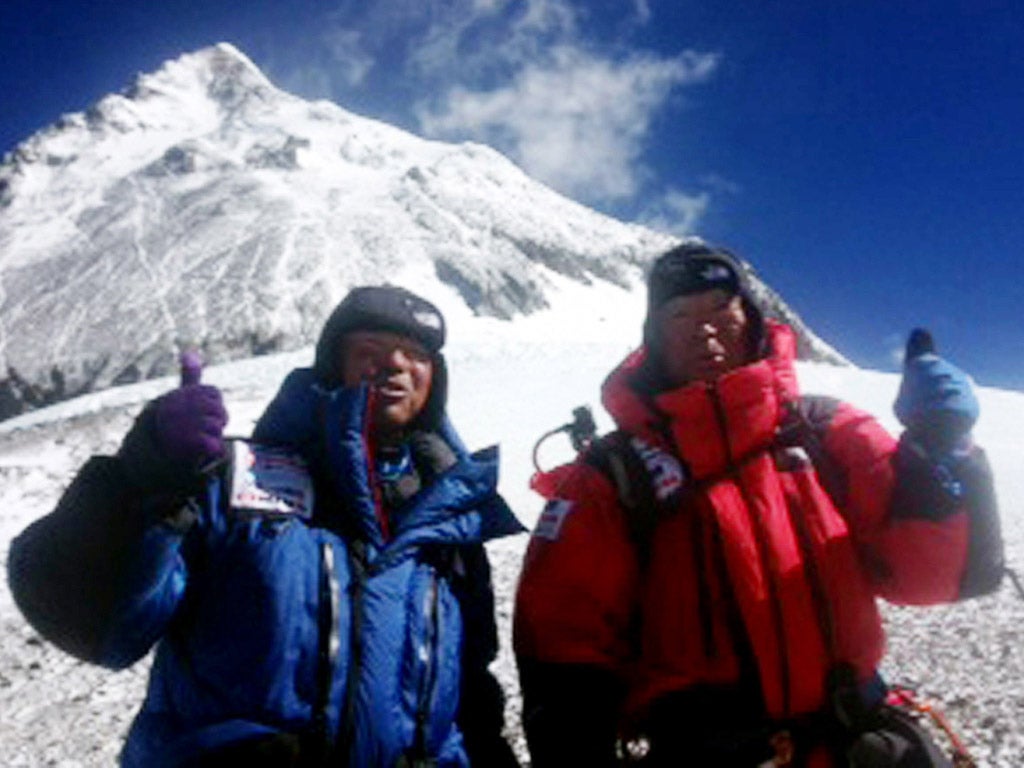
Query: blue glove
[[936, 401], [189, 421]]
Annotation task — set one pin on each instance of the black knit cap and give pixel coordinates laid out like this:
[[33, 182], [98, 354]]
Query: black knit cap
[[383, 308], [693, 268], [395, 310]]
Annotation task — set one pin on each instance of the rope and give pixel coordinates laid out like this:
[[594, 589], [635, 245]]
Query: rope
[[905, 697]]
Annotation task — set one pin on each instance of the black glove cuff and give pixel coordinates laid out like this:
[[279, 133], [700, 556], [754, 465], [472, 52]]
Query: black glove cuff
[[926, 487]]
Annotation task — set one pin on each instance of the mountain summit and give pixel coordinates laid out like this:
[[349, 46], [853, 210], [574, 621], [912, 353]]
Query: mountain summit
[[204, 207]]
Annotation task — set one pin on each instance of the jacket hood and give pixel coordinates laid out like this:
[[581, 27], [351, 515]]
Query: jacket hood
[[327, 427], [295, 416], [754, 397]]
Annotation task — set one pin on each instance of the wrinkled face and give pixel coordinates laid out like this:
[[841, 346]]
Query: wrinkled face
[[701, 336], [399, 371]]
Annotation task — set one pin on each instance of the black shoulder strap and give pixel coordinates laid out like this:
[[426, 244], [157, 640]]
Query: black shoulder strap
[[614, 455], [799, 430]]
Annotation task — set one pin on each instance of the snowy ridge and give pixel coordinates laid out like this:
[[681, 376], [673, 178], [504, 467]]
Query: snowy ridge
[[206, 208]]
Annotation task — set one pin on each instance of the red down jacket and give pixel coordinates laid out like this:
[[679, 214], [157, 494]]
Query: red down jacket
[[748, 535]]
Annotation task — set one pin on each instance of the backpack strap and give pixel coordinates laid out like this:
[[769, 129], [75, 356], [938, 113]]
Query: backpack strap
[[616, 458], [800, 429]]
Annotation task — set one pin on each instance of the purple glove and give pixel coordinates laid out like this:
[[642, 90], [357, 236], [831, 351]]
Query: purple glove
[[190, 420]]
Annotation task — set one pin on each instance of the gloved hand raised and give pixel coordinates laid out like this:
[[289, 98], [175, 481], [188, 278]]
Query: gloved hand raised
[[189, 421], [936, 401]]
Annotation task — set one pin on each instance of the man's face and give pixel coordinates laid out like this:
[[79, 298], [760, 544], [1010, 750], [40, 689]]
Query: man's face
[[399, 371], [701, 336]]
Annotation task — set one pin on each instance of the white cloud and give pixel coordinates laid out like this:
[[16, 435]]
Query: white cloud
[[486, 36], [676, 212], [896, 344], [643, 10], [310, 82], [720, 184], [519, 75], [348, 55], [544, 16], [574, 120]]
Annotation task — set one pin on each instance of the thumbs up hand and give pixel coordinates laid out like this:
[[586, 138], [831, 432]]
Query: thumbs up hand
[[190, 420], [191, 368], [936, 402]]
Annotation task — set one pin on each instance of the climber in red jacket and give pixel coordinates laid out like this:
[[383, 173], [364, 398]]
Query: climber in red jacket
[[720, 601]]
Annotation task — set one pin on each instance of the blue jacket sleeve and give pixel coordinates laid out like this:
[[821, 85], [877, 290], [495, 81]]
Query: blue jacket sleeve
[[150, 589]]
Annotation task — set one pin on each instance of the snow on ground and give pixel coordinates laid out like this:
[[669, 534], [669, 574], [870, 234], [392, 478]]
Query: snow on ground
[[509, 385]]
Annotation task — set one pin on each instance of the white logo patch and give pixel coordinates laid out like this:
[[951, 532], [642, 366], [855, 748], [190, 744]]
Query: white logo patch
[[667, 474], [428, 319], [712, 273], [551, 518], [269, 481]]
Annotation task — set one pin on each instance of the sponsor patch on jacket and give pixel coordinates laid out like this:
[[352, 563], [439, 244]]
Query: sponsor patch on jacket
[[551, 518], [270, 481], [666, 471]]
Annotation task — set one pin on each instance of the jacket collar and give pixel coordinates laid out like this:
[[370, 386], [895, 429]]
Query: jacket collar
[[711, 427], [328, 427]]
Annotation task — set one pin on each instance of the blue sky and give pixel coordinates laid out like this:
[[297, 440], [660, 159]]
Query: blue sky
[[867, 156]]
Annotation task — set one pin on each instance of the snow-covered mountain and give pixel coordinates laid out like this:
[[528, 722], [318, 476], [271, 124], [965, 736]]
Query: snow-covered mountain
[[206, 208]]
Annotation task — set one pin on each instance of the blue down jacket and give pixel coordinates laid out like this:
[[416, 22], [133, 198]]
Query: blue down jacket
[[272, 624]]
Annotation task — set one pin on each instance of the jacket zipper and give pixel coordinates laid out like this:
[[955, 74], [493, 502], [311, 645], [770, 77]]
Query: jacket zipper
[[327, 653], [358, 574], [704, 599], [371, 470], [429, 656], [763, 554]]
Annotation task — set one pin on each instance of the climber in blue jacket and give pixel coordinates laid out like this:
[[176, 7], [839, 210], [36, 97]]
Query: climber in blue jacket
[[317, 595]]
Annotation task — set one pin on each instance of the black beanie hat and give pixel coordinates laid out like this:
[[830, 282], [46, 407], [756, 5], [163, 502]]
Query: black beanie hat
[[395, 310], [692, 268]]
